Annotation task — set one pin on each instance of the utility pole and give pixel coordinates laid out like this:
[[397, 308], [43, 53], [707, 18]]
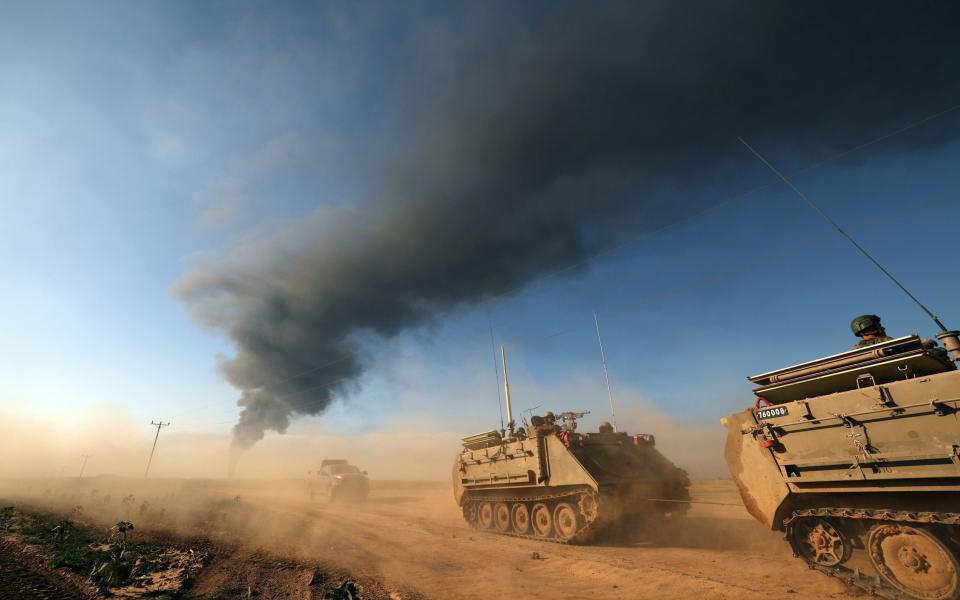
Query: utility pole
[[83, 465], [158, 424]]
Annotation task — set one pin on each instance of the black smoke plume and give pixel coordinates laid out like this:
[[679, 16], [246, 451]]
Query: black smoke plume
[[527, 140]]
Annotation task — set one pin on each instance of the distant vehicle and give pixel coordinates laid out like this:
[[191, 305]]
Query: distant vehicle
[[338, 480]]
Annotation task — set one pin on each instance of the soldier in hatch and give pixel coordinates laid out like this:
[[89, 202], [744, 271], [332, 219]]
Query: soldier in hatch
[[869, 330], [545, 425]]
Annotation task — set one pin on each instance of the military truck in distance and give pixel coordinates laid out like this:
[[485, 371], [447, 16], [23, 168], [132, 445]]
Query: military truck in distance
[[560, 485], [338, 480], [856, 458]]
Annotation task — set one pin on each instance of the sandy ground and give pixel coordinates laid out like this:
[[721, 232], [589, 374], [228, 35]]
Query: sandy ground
[[412, 538], [415, 536], [22, 579]]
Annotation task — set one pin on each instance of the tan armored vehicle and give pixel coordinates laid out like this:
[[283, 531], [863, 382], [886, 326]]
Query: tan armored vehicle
[[562, 485], [550, 482], [856, 458]]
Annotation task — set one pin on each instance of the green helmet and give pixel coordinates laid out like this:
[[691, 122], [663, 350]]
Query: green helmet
[[864, 322]]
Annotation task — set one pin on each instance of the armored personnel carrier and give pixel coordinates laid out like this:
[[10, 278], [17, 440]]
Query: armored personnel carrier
[[564, 486], [856, 458]]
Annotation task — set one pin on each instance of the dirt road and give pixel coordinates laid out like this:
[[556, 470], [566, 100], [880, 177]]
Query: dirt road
[[23, 579], [414, 538]]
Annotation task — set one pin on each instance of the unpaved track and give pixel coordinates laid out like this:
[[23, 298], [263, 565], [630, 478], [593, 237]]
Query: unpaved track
[[414, 538], [21, 580]]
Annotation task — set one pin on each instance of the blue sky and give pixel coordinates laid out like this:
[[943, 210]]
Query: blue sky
[[136, 140]]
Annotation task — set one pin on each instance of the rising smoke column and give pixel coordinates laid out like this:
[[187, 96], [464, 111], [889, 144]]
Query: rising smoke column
[[531, 141]]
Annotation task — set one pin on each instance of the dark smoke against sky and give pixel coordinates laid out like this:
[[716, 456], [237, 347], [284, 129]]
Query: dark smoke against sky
[[524, 143]]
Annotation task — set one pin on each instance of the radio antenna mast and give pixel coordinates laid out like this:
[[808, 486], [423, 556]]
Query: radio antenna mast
[[844, 234], [496, 371], [506, 389], [606, 376]]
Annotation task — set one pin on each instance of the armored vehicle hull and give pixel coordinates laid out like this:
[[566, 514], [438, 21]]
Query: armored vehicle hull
[[864, 481], [566, 487]]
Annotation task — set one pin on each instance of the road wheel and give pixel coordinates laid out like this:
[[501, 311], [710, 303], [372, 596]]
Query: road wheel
[[486, 515], [820, 542], [565, 521], [542, 520], [914, 562], [520, 516], [501, 517], [470, 513]]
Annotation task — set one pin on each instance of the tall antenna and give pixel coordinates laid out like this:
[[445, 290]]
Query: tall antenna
[[159, 424], [844, 234], [496, 370], [606, 376], [506, 387]]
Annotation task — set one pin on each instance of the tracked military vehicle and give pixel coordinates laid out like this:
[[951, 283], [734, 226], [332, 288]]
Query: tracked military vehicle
[[550, 482], [856, 458]]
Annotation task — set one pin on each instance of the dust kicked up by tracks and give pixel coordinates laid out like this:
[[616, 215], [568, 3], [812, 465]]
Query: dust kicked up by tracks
[[409, 540]]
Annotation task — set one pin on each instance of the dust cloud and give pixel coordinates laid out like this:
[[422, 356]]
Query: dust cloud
[[269, 510], [119, 447], [419, 446], [411, 535]]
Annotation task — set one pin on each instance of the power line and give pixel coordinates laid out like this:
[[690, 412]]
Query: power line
[[158, 424]]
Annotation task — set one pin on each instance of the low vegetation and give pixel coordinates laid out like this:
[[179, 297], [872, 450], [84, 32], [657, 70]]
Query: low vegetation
[[108, 559]]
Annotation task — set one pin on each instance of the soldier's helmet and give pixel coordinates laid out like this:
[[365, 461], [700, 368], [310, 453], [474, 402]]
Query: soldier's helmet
[[549, 417], [864, 322], [605, 427]]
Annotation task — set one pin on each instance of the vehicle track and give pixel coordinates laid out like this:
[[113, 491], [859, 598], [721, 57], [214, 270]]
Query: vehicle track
[[20, 580]]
